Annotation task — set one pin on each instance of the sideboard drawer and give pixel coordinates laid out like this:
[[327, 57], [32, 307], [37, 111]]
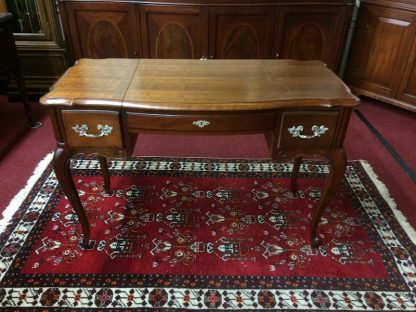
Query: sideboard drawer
[[89, 128], [232, 122], [307, 129]]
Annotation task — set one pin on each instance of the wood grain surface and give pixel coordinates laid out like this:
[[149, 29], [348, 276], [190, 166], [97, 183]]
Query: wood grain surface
[[195, 85]]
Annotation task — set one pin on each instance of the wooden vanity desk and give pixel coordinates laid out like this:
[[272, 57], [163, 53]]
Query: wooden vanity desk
[[301, 106]]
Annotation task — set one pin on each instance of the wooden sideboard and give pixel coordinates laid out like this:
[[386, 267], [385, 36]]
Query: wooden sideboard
[[232, 29], [41, 51], [382, 62], [10, 63], [99, 105]]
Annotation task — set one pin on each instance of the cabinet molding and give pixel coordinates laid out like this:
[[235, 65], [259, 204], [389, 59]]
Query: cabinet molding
[[172, 32], [311, 32], [42, 55], [382, 62], [244, 32], [103, 30], [202, 29]]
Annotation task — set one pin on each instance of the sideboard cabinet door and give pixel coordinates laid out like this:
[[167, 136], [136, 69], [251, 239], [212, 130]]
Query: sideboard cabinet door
[[312, 32], [244, 32], [175, 32], [407, 91], [101, 30], [387, 34]]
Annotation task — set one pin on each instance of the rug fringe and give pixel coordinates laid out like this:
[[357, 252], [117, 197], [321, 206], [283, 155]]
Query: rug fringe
[[383, 190], [18, 199]]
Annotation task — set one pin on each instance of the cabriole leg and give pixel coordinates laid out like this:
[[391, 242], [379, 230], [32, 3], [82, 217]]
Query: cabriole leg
[[25, 99], [61, 164], [338, 164], [105, 173], [295, 174]]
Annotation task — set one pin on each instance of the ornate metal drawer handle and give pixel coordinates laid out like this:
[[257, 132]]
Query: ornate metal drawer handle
[[317, 132], [201, 123], [105, 130]]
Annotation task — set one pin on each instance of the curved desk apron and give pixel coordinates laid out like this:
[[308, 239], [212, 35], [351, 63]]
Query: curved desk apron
[[302, 107]]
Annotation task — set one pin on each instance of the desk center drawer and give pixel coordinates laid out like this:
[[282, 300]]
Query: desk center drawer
[[201, 122]]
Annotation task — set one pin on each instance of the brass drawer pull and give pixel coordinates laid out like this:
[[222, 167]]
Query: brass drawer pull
[[201, 123], [105, 130], [317, 132]]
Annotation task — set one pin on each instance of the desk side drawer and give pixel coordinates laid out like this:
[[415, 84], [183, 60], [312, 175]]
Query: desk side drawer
[[205, 123], [307, 130], [91, 128]]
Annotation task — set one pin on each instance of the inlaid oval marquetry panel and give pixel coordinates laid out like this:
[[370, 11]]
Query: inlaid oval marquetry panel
[[308, 42], [105, 34], [241, 42], [173, 41]]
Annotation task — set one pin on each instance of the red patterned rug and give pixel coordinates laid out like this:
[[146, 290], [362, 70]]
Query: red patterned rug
[[191, 234]]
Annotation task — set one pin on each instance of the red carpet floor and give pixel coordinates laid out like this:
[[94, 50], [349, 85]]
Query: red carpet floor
[[177, 207], [200, 234], [13, 124], [18, 164], [396, 125]]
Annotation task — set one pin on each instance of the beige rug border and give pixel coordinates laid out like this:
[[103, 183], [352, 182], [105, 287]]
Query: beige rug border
[[385, 193], [18, 199]]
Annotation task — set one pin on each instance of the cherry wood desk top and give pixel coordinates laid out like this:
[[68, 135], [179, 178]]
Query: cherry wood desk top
[[209, 85], [99, 105]]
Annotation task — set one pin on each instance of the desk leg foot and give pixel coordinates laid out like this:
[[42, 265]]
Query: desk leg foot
[[315, 242], [35, 124], [25, 100], [86, 244], [61, 164], [295, 174], [338, 164], [105, 173]]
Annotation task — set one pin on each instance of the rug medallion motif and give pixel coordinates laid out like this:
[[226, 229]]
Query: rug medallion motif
[[206, 234]]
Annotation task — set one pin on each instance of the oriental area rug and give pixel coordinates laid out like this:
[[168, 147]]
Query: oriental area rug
[[206, 234]]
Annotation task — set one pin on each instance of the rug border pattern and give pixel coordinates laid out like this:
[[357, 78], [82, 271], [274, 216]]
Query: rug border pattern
[[240, 299]]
